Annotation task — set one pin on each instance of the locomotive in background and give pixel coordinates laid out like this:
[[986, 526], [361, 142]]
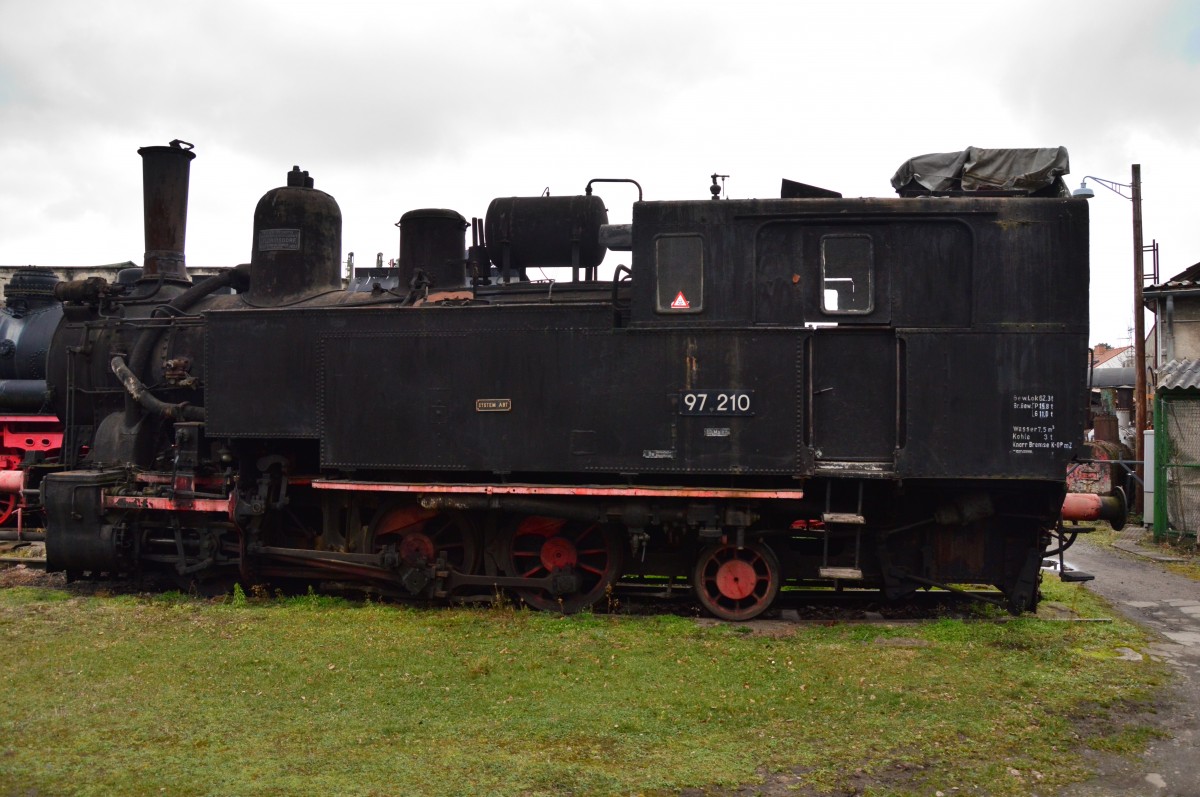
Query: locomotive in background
[[30, 433], [809, 390]]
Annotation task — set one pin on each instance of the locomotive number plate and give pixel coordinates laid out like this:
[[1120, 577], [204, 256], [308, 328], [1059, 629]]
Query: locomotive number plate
[[716, 402]]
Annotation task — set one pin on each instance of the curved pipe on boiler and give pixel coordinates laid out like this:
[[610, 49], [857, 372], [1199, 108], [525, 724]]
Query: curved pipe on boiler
[[141, 396]]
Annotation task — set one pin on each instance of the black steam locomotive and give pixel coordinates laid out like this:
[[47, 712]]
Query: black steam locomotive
[[809, 390], [30, 433]]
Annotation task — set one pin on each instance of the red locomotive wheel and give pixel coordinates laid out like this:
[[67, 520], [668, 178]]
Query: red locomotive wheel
[[9, 504], [417, 547], [737, 584], [541, 546], [421, 535]]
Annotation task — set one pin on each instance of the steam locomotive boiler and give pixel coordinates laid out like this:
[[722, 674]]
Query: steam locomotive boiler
[[809, 390]]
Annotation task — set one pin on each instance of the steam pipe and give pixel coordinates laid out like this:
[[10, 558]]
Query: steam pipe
[[141, 396]]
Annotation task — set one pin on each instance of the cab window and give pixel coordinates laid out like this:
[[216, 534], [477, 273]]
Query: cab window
[[847, 266], [679, 271]]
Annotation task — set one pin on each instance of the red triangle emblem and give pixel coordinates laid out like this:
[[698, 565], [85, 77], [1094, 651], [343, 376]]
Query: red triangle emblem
[[680, 303]]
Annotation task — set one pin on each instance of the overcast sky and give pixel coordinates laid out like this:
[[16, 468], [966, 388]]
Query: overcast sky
[[394, 106]]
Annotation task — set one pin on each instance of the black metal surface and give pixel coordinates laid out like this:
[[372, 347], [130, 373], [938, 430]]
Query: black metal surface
[[791, 189], [614, 398], [282, 349], [433, 240], [852, 393], [78, 537], [583, 395], [1029, 396]]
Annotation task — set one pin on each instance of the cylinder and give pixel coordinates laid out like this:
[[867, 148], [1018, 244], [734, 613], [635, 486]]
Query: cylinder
[[433, 240], [544, 231], [165, 172], [297, 246]]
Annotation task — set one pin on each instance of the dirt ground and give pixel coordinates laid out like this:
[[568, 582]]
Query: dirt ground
[[1135, 581]]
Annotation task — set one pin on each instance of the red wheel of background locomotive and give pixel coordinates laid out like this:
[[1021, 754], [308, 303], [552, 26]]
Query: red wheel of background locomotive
[[421, 535], [9, 504], [8, 462], [541, 545], [737, 584]]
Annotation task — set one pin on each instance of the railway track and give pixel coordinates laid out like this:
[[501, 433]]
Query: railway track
[[35, 562], [795, 603], [813, 602], [30, 553]]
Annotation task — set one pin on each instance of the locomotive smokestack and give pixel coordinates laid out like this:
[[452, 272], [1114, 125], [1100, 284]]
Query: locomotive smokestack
[[165, 173]]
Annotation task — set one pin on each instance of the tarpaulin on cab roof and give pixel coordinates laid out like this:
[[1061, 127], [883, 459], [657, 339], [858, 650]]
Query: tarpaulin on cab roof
[[1027, 171]]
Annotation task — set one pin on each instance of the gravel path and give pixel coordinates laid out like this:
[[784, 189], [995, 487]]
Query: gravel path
[[1168, 605]]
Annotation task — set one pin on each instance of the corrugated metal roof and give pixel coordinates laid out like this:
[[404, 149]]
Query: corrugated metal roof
[[1189, 278], [1179, 375]]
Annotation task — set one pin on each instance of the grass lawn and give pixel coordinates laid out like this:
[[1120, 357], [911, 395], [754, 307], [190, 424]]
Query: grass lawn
[[180, 696]]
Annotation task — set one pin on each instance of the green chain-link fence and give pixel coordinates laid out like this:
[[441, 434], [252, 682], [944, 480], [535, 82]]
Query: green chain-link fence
[[1176, 465]]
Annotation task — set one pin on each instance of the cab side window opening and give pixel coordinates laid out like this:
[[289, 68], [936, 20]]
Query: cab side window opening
[[679, 271], [847, 267]]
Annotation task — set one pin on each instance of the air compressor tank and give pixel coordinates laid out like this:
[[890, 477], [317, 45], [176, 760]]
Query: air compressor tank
[[297, 246], [434, 241], [545, 231]]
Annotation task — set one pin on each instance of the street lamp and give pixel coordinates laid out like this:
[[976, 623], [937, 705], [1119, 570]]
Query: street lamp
[[1139, 332]]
